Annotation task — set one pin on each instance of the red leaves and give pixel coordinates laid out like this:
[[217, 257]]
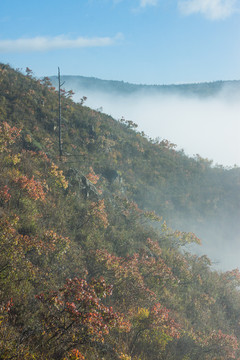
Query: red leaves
[[160, 318], [33, 187], [7, 306], [4, 194], [74, 355], [223, 344], [135, 275], [81, 303], [91, 176]]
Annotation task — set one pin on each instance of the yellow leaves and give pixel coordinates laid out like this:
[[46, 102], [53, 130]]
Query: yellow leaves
[[125, 357], [16, 159], [151, 215], [60, 179], [187, 238], [179, 237], [12, 159], [142, 314]]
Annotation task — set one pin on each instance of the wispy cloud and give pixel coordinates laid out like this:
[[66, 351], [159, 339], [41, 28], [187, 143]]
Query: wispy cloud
[[211, 9], [53, 43], [144, 3]]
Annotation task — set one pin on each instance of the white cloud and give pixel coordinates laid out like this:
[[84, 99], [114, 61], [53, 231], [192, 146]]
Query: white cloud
[[144, 3], [212, 9], [52, 43], [141, 4]]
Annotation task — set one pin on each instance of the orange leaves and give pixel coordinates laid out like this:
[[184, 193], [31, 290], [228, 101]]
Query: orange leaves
[[4, 194], [92, 176], [74, 355], [33, 187], [6, 307], [97, 211]]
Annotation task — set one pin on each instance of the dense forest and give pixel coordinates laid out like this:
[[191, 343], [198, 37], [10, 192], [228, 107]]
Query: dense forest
[[89, 266]]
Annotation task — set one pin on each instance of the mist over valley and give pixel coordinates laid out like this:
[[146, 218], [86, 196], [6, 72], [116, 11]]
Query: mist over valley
[[201, 119]]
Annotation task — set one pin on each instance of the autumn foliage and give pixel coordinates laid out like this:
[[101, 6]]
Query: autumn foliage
[[100, 276], [76, 312]]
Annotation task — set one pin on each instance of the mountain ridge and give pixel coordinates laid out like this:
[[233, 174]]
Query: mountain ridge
[[96, 84]]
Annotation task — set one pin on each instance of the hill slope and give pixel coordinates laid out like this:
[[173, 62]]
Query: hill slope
[[187, 192], [87, 270]]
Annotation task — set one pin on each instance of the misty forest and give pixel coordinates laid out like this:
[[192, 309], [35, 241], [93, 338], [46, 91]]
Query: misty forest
[[101, 233]]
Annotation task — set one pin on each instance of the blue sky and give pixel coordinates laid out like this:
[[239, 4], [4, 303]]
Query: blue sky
[[139, 41]]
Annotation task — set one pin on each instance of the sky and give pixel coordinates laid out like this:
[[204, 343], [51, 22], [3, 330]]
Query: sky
[[138, 41], [142, 42]]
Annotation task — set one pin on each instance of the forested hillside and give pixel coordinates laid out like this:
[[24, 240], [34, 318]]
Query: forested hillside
[[89, 268], [190, 194]]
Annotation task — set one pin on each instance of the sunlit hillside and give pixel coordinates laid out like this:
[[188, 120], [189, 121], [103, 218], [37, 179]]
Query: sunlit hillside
[[94, 244]]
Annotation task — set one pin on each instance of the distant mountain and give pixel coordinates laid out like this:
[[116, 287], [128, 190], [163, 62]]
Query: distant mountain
[[93, 84]]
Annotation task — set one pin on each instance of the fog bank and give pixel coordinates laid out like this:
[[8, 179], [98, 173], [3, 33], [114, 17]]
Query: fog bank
[[207, 126]]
